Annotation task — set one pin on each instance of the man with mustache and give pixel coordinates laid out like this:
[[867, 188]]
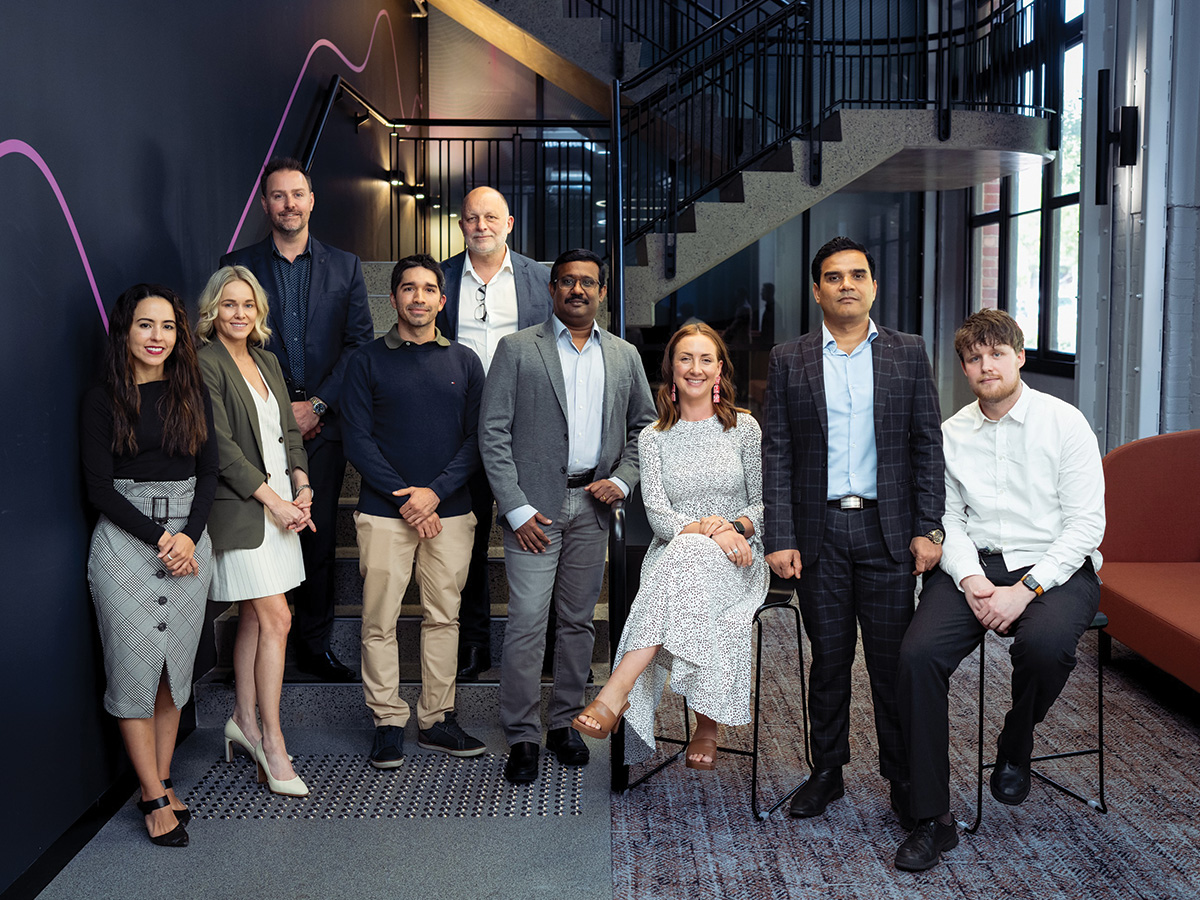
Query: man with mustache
[[854, 489], [411, 410]]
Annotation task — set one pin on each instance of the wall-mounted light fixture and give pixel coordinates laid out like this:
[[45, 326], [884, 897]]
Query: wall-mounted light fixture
[[1126, 135]]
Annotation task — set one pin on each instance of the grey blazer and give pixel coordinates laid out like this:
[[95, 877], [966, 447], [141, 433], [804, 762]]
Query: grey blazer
[[236, 521], [533, 292], [523, 420]]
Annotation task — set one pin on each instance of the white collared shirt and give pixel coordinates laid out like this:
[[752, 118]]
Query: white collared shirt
[[501, 303], [1029, 485]]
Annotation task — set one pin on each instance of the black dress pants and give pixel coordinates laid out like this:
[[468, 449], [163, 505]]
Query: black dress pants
[[314, 598], [855, 583], [944, 630]]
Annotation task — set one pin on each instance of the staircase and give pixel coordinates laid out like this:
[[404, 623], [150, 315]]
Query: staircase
[[739, 125], [307, 702]]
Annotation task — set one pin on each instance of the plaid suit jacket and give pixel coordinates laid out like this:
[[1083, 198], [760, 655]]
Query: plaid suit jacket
[[908, 441]]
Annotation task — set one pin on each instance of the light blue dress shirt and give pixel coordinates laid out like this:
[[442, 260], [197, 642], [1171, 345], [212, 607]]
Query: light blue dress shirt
[[850, 408], [583, 377]]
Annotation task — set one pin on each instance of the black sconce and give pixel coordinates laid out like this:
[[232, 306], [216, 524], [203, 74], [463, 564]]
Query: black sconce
[[1125, 135]]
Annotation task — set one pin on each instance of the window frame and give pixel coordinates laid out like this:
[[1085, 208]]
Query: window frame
[[1050, 78]]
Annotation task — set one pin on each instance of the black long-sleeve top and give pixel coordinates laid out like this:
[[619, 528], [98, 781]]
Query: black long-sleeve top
[[102, 467]]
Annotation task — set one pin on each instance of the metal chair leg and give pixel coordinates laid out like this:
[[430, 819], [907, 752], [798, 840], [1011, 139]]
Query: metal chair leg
[[1104, 650], [760, 815]]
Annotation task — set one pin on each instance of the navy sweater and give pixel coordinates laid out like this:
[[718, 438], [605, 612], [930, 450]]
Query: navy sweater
[[410, 418]]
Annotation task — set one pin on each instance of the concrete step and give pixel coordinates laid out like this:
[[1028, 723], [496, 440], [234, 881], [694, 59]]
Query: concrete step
[[309, 704], [345, 639]]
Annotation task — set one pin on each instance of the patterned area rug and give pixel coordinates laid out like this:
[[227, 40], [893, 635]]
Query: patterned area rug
[[687, 834]]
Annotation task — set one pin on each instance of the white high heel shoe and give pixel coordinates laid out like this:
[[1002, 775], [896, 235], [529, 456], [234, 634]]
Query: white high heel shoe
[[235, 735], [293, 787]]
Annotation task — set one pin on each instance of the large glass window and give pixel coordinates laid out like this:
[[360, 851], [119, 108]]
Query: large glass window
[[1025, 228]]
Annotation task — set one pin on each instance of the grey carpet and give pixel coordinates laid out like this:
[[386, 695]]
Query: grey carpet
[[435, 828], [687, 834]]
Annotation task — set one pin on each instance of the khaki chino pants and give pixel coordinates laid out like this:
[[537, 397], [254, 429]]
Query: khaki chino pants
[[387, 549]]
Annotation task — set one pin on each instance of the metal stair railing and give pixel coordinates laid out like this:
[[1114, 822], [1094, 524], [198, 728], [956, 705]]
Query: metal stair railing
[[724, 104], [660, 26]]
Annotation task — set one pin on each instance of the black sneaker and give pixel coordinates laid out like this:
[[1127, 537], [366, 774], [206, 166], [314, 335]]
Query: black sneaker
[[388, 751], [447, 737]]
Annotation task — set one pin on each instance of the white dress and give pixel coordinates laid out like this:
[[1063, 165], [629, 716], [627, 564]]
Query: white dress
[[275, 565], [693, 600]]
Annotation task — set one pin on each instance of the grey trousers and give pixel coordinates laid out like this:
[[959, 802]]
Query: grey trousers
[[570, 571]]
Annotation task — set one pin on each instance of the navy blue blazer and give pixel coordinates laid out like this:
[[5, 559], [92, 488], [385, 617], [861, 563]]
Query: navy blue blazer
[[533, 292], [910, 468], [339, 319]]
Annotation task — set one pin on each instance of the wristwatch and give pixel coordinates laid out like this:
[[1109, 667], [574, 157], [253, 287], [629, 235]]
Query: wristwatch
[[1030, 582], [319, 406], [738, 527], [936, 536]]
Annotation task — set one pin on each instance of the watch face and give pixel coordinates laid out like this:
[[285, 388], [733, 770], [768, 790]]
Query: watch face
[[738, 527], [319, 407], [937, 535]]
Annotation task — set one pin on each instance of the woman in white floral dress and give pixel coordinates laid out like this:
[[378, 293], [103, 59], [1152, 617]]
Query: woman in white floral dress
[[704, 574]]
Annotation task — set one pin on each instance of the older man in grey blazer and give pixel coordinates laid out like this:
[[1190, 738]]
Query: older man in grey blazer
[[562, 408], [491, 292]]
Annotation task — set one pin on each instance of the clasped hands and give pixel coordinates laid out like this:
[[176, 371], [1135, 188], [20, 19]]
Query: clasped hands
[[995, 607], [419, 510], [294, 515], [177, 551], [735, 547]]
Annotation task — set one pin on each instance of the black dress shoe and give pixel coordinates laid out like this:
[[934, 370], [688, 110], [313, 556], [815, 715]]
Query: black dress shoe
[[1010, 782], [923, 848], [901, 796], [522, 765], [325, 666], [822, 788], [472, 661], [568, 746]]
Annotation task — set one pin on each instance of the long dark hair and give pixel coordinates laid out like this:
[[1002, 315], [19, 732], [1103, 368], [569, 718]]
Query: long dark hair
[[668, 409], [182, 406]]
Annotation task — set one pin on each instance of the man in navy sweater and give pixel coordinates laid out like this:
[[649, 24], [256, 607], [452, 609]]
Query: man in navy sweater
[[410, 411]]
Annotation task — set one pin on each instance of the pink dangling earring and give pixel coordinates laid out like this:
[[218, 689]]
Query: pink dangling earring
[[674, 399], [717, 391]]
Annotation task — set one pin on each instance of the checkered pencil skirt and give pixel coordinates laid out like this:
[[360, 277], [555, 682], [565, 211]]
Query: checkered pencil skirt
[[147, 618]]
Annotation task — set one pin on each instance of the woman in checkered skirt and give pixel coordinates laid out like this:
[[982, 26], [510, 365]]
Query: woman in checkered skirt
[[150, 461]]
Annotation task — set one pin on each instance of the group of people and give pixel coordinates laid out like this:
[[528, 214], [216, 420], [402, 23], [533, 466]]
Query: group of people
[[496, 387]]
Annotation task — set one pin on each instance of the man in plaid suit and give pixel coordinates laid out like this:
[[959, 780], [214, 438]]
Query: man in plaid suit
[[854, 488]]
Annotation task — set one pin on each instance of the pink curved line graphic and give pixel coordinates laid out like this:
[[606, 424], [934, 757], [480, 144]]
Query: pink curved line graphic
[[382, 14], [22, 148]]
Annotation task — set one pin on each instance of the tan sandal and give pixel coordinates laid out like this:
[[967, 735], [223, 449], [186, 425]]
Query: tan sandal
[[706, 747], [602, 714]]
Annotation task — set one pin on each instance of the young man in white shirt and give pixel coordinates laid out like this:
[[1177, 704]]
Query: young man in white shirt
[[1024, 518]]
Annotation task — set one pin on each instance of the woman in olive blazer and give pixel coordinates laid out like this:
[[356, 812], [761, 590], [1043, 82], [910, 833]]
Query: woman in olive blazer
[[262, 502]]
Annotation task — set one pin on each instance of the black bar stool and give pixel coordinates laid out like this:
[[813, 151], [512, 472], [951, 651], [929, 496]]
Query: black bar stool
[[1099, 623]]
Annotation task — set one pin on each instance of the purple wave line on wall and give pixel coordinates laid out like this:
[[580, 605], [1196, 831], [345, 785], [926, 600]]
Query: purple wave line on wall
[[22, 148], [382, 14]]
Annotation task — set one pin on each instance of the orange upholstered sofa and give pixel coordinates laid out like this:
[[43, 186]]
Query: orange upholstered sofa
[[1151, 549]]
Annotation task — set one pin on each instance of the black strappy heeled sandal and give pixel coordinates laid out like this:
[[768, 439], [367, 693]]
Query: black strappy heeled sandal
[[176, 837], [183, 815]]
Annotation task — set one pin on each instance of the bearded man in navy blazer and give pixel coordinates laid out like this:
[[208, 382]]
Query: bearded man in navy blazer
[[319, 315], [491, 291], [854, 489]]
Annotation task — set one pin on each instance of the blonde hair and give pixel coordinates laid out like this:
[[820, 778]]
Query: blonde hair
[[210, 300]]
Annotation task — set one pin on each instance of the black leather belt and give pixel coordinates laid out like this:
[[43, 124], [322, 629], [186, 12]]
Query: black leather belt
[[581, 479], [853, 502]]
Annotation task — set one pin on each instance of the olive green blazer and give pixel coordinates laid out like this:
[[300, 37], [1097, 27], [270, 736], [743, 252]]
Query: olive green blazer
[[236, 521]]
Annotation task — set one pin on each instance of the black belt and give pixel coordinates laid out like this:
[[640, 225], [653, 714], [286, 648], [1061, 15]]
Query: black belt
[[853, 502], [581, 479]]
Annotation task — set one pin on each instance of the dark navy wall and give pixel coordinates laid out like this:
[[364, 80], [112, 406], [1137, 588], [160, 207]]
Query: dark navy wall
[[153, 119]]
